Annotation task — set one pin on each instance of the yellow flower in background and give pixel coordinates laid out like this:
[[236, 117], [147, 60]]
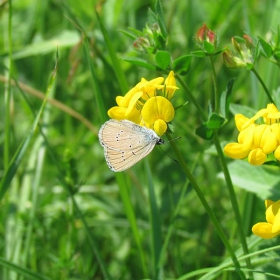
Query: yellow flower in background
[[271, 228], [170, 85], [156, 113], [241, 122], [148, 103], [256, 141]]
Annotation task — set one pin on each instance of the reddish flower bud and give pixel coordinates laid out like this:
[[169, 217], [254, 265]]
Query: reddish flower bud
[[211, 36], [248, 41], [141, 43], [236, 46], [232, 61], [204, 34], [200, 34]]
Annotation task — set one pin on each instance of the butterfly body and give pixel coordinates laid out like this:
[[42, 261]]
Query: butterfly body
[[125, 143]]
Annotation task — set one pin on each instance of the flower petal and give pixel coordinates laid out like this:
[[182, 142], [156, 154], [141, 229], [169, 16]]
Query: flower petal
[[268, 141], [160, 127], [272, 211], [268, 202], [246, 137], [170, 84], [263, 230], [276, 224], [133, 101], [157, 108], [277, 153], [257, 157], [117, 113], [235, 150], [239, 121]]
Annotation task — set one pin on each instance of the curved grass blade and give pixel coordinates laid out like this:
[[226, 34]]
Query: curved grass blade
[[16, 160], [28, 274]]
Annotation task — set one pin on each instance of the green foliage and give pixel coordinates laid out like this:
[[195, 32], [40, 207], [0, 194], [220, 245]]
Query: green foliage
[[174, 215]]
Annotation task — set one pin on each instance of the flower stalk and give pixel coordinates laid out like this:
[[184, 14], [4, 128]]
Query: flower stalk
[[206, 206]]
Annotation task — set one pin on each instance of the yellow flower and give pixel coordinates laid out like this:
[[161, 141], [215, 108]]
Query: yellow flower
[[129, 106], [147, 103], [149, 87], [256, 141], [273, 115], [272, 227], [156, 113], [241, 149], [241, 121], [170, 84]]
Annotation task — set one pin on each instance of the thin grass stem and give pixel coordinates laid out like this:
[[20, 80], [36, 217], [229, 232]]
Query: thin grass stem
[[207, 207]]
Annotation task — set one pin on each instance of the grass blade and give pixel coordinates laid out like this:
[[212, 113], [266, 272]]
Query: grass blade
[[16, 160]]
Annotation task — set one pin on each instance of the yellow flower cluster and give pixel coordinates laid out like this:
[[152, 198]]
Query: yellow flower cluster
[[148, 104], [256, 141], [272, 227]]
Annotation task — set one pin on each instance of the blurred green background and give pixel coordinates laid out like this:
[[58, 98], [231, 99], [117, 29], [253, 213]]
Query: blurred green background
[[41, 228]]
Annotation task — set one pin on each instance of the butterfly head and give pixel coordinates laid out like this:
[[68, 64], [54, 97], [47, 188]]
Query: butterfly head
[[160, 142]]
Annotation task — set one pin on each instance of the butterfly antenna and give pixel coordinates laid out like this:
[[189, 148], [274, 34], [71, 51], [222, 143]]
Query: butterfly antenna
[[168, 154], [179, 137]]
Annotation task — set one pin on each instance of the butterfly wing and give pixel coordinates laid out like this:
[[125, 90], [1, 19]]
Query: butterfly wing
[[125, 143]]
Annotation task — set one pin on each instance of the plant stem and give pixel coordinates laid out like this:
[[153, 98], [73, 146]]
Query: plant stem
[[263, 85], [233, 199], [191, 98], [217, 96], [206, 206]]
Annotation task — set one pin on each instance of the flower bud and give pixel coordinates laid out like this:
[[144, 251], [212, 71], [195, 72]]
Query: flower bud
[[233, 61], [206, 34], [236, 46], [141, 43], [248, 41]]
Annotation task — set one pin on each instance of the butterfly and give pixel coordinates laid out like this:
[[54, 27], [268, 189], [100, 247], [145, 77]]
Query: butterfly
[[125, 143]]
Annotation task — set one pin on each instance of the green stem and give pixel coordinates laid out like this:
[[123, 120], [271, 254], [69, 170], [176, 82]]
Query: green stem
[[263, 85], [8, 93], [226, 172], [233, 199], [217, 96], [205, 204], [191, 98]]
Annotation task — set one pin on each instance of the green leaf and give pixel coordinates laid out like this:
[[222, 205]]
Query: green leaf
[[140, 62], [215, 121], [265, 48], [208, 47], [163, 59], [65, 39], [128, 34], [225, 99], [181, 65], [241, 109], [198, 53], [152, 17], [264, 181], [159, 12], [277, 55], [135, 31], [204, 132]]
